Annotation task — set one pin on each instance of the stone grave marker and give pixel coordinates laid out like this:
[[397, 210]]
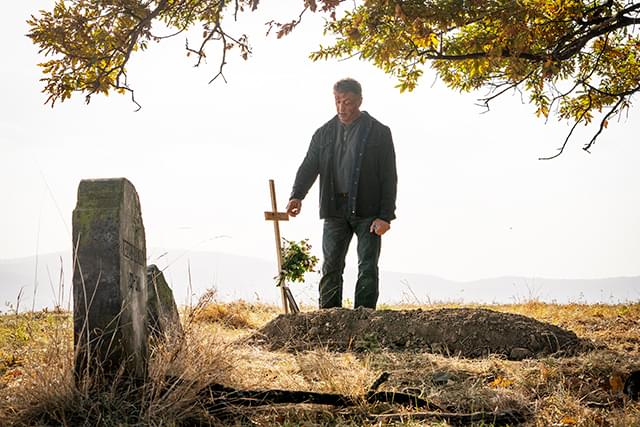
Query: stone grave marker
[[164, 318], [109, 280]]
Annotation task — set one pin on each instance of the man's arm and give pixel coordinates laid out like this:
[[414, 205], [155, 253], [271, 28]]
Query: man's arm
[[382, 224], [389, 179], [305, 177]]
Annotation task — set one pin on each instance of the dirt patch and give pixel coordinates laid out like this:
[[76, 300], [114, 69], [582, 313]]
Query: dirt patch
[[455, 332]]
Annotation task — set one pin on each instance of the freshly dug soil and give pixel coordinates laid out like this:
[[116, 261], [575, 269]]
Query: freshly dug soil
[[455, 332]]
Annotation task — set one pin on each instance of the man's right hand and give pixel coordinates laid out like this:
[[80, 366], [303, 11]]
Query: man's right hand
[[293, 207]]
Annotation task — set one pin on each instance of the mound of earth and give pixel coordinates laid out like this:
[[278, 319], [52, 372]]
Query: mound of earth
[[451, 331]]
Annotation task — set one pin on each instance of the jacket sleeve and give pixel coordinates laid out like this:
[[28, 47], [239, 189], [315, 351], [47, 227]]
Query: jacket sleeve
[[389, 176], [308, 170]]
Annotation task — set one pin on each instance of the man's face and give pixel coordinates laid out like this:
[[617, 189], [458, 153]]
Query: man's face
[[347, 106]]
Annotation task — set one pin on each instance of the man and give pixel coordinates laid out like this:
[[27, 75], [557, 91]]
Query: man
[[354, 156]]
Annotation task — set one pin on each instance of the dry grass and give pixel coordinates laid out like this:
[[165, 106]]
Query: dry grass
[[37, 387], [236, 315]]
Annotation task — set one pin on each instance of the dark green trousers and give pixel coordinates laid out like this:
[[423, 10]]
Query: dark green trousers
[[337, 234]]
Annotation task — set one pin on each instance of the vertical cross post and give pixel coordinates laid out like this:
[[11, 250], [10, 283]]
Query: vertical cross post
[[287, 298]]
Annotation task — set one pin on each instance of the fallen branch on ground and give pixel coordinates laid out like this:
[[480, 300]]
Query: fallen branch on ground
[[219, 399]]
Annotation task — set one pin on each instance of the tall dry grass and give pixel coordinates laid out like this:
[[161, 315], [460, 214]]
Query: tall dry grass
[[39, 388]]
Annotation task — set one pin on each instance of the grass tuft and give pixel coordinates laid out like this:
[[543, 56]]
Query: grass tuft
[[236, 315]]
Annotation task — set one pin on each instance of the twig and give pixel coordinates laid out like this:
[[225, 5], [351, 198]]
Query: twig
[[603, 123], [405, 399], [566, 140], [378, 382], [485, 101], [511, 417], [223, 60]]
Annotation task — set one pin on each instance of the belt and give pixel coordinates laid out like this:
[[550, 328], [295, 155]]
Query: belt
[[342, 195]]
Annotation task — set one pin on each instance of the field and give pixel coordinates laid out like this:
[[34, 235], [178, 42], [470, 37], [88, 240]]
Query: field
[[37, 385]]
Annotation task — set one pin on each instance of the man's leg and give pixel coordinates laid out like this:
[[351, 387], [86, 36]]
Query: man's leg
[[368, 255], [336, 237]]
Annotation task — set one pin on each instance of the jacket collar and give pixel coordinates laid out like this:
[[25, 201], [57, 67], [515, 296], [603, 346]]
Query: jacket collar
[[366, 118]]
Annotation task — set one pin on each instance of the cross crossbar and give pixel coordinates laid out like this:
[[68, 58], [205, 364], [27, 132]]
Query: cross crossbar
[[280, 216]]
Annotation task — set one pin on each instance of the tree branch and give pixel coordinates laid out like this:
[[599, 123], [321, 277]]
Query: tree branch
[[223, 60], [573, 128], [505, 53], [217, 399], [603, 124], [135, 34], [585, 80], [485, 101]]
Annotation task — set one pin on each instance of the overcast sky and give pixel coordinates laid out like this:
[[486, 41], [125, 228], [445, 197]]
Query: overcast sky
[[474, 201]]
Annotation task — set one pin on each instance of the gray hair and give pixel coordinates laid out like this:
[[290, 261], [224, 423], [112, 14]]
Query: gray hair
[[348, 85]]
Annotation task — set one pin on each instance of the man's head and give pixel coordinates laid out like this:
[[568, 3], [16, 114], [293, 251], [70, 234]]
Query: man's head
[[348, 96]]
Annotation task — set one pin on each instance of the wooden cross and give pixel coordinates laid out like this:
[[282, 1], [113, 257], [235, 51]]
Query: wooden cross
[[288, 302]]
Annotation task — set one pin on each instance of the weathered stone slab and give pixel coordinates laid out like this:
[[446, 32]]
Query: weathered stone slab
[[164, 318], [109, 279]]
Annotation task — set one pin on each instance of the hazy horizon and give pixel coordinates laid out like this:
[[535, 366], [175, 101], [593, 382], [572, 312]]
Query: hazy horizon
[[252, 279], [267, 259]]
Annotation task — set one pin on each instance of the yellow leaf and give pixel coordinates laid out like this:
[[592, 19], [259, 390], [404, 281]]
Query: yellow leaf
[[542, 111], [500, 382], [568, 421], [433, 39], [615, 380]]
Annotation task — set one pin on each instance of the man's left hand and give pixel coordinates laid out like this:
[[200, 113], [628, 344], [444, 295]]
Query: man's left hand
[[379, 226]]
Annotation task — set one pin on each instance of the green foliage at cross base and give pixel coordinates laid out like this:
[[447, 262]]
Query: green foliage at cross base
[[296, 261]]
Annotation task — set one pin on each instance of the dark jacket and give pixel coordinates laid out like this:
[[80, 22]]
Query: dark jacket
[[373, 185]]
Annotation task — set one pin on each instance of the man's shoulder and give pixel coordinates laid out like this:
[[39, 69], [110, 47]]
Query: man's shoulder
[[324, 132], [375, 122], [329, 124]]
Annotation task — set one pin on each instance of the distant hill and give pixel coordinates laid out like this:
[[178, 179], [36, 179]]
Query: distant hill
[[514, 289], [239, 277]]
